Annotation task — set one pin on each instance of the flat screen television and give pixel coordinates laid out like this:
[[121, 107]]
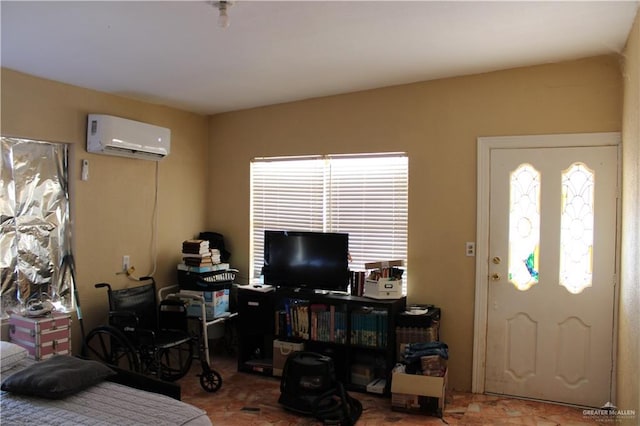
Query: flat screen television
[[306, 260]]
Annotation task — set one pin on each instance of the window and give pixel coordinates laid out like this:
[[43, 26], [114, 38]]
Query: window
[[524, 227], [35, 242], [365, 196], [577, 228]]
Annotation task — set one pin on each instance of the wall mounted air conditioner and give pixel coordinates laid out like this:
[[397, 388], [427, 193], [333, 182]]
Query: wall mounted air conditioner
[[111, 135]]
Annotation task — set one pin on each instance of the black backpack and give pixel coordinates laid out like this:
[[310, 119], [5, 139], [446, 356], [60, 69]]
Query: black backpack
[[309, 387]]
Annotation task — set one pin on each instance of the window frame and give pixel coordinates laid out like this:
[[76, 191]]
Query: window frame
[[334, 206]]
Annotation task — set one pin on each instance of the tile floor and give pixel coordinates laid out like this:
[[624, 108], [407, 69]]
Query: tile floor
[[247, 399]]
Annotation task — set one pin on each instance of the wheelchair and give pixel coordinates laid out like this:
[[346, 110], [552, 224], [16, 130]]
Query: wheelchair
[[147, 337]]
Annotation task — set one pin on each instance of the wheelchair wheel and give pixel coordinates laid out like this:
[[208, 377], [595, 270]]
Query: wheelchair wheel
[[210, 380], [175, 361], [109, 345]]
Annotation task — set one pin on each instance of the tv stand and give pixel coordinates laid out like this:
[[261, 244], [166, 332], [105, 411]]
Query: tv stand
[[357, 332]]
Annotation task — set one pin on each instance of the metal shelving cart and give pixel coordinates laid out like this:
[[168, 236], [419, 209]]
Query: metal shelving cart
[[210, 379]]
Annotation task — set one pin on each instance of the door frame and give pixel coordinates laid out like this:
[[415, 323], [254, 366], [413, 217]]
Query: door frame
[[484, 147]]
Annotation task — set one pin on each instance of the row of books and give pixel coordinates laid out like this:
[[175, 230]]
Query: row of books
[[195, 246], [293, 319], [328, 323], [319, 322], [369, 328], [385, 272], [418, 334], [197, 253], [356, 282]]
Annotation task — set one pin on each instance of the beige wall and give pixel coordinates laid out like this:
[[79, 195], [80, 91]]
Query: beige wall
[[113, 210], [437, 123], [628, 388]]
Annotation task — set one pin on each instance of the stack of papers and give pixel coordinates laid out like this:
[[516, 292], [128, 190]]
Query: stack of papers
[[415, 311]]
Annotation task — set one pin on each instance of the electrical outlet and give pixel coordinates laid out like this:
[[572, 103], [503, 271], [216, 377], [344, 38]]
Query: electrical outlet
[[126, 262], [470, 248]]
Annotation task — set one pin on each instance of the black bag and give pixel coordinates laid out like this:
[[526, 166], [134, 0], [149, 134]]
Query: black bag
[[309, 387], [216, 241]]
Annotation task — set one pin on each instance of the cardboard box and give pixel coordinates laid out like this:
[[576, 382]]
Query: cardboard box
[[216, 303], [361, 374], [384, 264], [383, 288], [414, 393], [281, 351]]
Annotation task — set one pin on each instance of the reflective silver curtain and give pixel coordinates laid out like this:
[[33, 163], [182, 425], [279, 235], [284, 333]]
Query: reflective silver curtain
[[35, 239]]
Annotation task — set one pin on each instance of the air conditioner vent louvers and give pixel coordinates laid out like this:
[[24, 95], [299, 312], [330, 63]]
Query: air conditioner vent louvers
[[132, 152]]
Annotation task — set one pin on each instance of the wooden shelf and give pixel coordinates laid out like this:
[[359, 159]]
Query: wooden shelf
[[337, 325]]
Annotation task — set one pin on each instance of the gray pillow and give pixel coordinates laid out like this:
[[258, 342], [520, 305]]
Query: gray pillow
[[57, 377]]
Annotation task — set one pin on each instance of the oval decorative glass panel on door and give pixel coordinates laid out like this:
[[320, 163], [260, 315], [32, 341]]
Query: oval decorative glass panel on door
[[576, 228], [524, 227]]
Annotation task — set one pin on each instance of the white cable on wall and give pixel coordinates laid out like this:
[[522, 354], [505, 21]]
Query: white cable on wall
[[154, 232]]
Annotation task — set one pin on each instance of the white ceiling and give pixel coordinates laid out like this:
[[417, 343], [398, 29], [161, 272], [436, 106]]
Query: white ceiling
[[173, 53]]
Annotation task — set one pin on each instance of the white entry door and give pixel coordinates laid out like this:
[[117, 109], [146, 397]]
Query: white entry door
[[552, 253]]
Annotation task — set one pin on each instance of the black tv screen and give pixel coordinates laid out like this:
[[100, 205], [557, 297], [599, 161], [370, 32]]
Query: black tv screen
[[311, 260]]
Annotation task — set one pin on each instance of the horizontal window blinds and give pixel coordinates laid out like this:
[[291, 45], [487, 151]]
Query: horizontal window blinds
[[287, 195], [368, 199], [365, 196]]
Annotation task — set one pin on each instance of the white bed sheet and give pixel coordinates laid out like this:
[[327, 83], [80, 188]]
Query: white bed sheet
[[104, 404]]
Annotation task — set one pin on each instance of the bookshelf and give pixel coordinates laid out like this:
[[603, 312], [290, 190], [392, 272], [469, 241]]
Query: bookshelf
[[357, 332], [255, 332]]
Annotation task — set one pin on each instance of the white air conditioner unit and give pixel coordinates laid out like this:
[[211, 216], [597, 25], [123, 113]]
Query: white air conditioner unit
[[111, 135]]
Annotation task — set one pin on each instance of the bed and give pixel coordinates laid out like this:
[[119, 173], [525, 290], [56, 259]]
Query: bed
[[65, 390]]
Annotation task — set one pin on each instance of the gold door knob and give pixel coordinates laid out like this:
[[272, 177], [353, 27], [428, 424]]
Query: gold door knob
[[495, 277]]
